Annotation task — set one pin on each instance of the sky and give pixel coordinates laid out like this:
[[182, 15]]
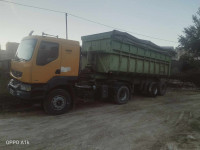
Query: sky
[[156, 18]]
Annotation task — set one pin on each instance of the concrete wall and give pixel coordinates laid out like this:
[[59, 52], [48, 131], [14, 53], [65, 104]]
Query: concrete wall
[[11, 48], [7, 55], [3, 54], [4, 65]]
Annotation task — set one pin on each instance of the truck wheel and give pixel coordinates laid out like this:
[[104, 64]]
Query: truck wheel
[[153, 89], [162, 88], [122, 95], [57, 102], [145, 89]]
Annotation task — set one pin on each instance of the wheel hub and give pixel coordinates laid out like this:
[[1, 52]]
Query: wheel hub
[[59, 102]]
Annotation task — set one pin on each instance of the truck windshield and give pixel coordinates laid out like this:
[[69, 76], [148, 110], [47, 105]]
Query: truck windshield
[[25, 49]]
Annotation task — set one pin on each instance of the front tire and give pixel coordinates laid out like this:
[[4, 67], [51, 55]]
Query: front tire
[[57, 102], [122, 95]]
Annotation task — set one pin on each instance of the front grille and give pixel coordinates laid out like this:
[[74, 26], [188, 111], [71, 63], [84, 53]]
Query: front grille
[[16, 73]]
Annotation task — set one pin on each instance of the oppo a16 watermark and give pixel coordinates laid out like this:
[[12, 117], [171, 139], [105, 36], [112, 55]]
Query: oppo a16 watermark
[[17, 142]]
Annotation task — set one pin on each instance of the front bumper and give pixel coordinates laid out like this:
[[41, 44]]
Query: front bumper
[[14, 89], [18, 93]]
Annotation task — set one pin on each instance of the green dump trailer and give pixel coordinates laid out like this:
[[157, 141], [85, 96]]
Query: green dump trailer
[[117, 64], [120, 52]]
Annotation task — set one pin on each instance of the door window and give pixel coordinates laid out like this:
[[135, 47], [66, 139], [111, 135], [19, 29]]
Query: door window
[[47, 53]]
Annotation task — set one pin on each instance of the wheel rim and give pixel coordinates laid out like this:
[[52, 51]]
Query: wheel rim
[[59, 102], [123, 95], [155, 90]]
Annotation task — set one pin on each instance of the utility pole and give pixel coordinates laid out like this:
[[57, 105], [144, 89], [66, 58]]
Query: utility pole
[[66, 26]]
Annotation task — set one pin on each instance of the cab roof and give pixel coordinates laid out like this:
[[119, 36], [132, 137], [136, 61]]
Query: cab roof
[[53, 39]]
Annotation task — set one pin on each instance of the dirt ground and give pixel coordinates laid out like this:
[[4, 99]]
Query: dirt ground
[[170, 122]]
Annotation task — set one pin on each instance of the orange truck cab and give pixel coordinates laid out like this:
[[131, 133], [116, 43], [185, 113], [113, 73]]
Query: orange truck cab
[[43, 64]]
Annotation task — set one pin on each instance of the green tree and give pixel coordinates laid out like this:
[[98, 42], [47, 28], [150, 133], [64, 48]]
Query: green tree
[[188, 63], [190, 41]]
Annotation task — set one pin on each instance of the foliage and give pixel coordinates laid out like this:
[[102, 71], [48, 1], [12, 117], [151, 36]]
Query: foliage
[[188, 62], [190, 41]]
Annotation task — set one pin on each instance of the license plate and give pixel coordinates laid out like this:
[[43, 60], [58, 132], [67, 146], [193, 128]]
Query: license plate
[[11, 91]]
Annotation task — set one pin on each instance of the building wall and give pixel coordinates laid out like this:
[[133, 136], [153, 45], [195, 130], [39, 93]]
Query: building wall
[[4, 66], [7, 55], [11, 48], [3, 55]]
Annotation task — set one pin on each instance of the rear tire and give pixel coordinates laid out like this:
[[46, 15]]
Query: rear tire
[[153, 89], [145, 88], [122, 95], [162, 88], [57, 102]]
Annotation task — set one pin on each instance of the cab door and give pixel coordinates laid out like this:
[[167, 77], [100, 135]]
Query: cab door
[[70, 60], [47, 62]]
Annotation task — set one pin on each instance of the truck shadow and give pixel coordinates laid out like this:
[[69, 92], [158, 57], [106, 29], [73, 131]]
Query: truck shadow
[[11, 105]]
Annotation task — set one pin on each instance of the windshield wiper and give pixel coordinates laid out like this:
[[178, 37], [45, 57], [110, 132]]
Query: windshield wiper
[[22, 59], [19, 59]]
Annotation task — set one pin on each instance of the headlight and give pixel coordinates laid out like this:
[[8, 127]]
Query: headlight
[[25, 87]]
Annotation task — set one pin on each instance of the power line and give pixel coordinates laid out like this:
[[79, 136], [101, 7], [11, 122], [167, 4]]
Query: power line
[[85, 19]]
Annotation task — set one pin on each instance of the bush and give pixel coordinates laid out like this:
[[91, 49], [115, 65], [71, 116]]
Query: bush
[[186, 69], [188, 63]]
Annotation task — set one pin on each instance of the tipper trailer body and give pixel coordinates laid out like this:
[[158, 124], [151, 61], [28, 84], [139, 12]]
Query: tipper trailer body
[[120, 52]]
